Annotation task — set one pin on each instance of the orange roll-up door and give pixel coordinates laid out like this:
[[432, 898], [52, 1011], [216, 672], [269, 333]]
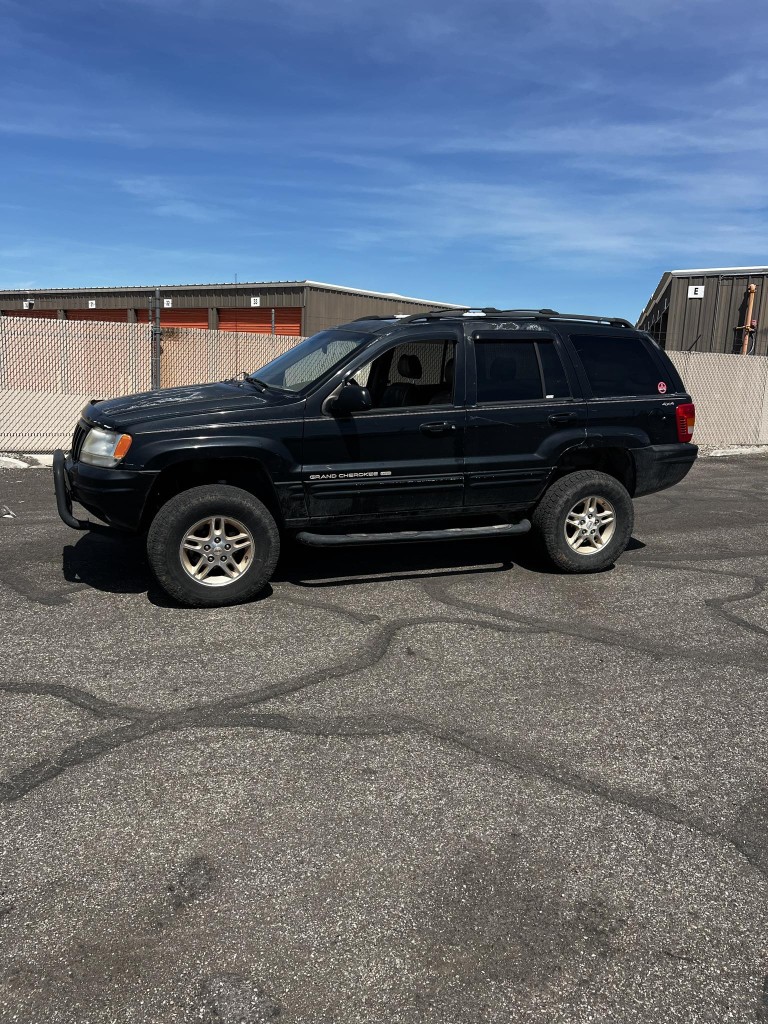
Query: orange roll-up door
[[35, 314], [107, 316], [259, 321], [184, 317]]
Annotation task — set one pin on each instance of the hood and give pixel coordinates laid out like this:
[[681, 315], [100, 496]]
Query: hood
[[204, 403]]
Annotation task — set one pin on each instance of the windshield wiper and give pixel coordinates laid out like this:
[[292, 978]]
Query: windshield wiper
[[263, 384]]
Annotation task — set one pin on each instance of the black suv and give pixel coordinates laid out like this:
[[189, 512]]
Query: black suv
[[438, 426]]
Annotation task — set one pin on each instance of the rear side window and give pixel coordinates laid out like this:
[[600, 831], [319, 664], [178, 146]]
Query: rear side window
[[515, 371], [617, 365]]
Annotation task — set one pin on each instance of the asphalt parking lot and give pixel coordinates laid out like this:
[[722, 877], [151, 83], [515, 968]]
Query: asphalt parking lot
[[439, 785]]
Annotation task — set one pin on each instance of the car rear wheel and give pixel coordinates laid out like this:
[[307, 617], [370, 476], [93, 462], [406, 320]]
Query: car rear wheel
[[213, 545], [585, 521]]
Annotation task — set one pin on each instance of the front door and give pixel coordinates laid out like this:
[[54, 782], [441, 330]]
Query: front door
[[524, 411], [403, 456]]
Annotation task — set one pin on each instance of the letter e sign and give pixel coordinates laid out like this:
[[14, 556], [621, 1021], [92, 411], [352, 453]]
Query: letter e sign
[[695, 291]]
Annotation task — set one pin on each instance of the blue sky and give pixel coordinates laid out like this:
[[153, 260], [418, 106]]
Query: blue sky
[[553, 152]]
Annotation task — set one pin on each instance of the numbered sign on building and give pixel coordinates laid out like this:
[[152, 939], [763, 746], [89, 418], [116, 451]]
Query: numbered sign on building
[[255, 300], [167, 303], [91, 303]]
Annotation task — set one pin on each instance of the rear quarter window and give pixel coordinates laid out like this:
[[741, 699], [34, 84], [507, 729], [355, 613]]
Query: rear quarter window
[[620, 365]]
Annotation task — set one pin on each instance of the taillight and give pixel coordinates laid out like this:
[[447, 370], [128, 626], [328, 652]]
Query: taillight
[[686, 420]]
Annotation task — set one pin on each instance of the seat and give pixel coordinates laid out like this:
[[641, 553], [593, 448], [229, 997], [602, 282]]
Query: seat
[[401, 393], [445, 397]]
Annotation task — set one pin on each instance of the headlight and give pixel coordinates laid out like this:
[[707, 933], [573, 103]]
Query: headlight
[[105, 447]]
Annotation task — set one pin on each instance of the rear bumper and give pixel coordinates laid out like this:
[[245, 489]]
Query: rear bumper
[[662, 465], [116, 496]]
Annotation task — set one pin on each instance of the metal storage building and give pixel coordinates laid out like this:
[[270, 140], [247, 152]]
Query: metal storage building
[[263, 307], [719, 309]]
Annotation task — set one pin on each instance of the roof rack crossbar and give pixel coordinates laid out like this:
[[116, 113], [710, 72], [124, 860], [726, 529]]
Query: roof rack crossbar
[[434, 314], [374, 316], [492, 311]]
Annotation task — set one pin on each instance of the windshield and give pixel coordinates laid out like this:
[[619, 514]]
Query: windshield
[[307, 362]]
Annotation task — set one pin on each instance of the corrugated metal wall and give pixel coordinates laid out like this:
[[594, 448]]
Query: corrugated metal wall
[[183, 297], [299, 309], [328, 308], [709, 324]]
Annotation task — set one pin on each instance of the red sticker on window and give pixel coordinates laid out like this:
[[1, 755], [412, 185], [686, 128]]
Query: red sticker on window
[[662, 387]]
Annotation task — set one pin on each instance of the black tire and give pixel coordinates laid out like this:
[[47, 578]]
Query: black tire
[[180, 514], [549, 520]]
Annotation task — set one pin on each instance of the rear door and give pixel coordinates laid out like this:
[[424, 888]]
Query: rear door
[[524, 410], [405, 454], [629, 386]]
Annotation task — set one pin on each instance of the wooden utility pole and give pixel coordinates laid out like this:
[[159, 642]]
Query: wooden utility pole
[[748, 328]]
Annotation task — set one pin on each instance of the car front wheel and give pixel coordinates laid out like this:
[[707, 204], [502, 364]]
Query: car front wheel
[[213, 545], [585, 521]]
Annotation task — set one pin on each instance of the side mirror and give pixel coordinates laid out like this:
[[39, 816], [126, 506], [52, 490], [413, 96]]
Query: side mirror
[[351, 399]]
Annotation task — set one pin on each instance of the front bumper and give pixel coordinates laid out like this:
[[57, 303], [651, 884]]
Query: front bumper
[[662, 465], [116, 496]]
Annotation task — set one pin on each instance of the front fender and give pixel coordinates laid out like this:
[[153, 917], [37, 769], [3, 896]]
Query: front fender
[[274, 455]]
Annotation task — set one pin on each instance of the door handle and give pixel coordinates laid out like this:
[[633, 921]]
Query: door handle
[[437, 428], [563, 417]]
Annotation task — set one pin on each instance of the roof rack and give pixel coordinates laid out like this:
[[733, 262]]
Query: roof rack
[[491, 311], [552, 314], [527, 314]]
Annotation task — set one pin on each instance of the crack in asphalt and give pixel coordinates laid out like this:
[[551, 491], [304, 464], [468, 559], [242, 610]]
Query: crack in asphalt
[[241, 710], [334, 609], [622, 638], [217, 713], [718, 604], [238, 711]]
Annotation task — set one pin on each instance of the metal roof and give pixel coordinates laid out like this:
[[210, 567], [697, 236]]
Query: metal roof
[[719, 270], [230, 284]]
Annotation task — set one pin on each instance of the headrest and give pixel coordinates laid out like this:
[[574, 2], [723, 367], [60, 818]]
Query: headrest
[[409, 367], [449, 371]]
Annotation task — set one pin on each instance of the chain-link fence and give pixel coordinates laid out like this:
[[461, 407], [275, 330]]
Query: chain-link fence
[[731, 396], [49, 369]]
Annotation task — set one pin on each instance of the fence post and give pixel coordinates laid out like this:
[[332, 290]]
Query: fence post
[[762, 430], [63, 330], [156, 345]]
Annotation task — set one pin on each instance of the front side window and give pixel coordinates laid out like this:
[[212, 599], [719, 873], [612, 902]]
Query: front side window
[[517, 371], [617, 365], [299, 367], [414, 373]]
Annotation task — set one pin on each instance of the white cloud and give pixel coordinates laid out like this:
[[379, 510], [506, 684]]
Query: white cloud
[[546, 224], [167, 199]]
